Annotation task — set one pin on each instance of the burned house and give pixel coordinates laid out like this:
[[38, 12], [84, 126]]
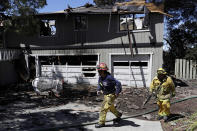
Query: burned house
[[72, 42]]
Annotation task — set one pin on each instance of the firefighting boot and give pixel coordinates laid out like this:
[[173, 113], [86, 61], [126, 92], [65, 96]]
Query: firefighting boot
[[159, 117], [117, 120], [166, 118], [98, 125]]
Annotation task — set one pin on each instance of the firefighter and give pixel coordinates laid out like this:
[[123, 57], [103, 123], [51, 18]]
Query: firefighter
[[111, 88], [164, 89]]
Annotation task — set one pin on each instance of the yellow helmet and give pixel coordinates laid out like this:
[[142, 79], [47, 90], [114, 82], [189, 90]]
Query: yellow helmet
[[161, 71]]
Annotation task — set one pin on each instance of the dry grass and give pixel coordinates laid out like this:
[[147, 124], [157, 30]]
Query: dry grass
[[188, 123]]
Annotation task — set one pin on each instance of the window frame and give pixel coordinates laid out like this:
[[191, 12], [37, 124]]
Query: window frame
[[74, 23], [134, 30], [48, 19]]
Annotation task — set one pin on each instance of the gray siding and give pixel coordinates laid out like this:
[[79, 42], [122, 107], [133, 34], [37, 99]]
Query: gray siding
[[96, 34]]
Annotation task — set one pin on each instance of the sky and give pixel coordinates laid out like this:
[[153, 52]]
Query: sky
[[58, 5]]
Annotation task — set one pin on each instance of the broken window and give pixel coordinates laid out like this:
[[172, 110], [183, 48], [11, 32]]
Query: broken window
[[74, 60], [121, 63], [124, 20], [80, 22], [89, 71], [49, 60], [139, 63], [89, 63], [47, 28], [85, 63], [134, 21], [89, 60]]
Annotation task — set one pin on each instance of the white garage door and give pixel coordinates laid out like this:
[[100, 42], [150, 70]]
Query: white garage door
[[74, 69], [132, 71]]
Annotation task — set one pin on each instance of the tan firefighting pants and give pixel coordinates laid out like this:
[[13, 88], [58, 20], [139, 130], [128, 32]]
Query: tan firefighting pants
[[108, 104], [164, 107]]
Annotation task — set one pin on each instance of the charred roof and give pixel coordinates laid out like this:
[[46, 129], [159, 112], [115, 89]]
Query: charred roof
[[135, 6]]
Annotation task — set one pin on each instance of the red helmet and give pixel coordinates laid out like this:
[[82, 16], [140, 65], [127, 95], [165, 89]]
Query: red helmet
[[102, 66]]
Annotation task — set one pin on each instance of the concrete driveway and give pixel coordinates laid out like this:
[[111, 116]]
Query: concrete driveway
[[129, 124], [72, 116]]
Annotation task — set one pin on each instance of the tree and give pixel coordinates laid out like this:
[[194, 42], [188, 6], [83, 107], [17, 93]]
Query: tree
[[181, 30], [18, 15]]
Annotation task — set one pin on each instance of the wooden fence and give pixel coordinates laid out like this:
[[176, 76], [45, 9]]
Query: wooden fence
[[185, 69]]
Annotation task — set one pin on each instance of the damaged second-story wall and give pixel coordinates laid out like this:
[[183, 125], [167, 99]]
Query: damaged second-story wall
[[98, 32]]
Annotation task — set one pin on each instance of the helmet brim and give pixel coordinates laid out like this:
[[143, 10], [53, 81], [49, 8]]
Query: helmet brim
[[102, 69]]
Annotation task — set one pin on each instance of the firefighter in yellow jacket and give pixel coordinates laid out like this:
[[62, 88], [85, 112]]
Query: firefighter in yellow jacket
[[163, 87]]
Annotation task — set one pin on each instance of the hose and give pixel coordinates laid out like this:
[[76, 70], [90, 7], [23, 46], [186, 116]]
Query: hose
[[132, 116]]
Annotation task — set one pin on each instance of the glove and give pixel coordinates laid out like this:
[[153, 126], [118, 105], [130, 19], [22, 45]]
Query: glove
[[173, 94], [116, 95], [150, 93], [99, 92], [164, 97]]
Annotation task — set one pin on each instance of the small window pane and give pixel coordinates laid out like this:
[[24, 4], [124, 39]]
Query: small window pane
[[77, 22], [83, 22], [139, 21], [121, 63], [124, 19], [47, 28], [139, 63], [135, 22], [89, 74], [80, 23]]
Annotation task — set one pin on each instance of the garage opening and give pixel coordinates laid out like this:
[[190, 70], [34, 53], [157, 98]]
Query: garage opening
[[74, 68], [131, 71]]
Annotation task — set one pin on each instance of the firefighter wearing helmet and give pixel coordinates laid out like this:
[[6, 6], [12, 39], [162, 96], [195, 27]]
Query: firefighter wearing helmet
[[111, 88], [163, 87]]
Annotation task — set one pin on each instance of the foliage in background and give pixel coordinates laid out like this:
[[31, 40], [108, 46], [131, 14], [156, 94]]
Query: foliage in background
[[182, 44], [181, 36], [169, 61], [182, 27], [18, 15]]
